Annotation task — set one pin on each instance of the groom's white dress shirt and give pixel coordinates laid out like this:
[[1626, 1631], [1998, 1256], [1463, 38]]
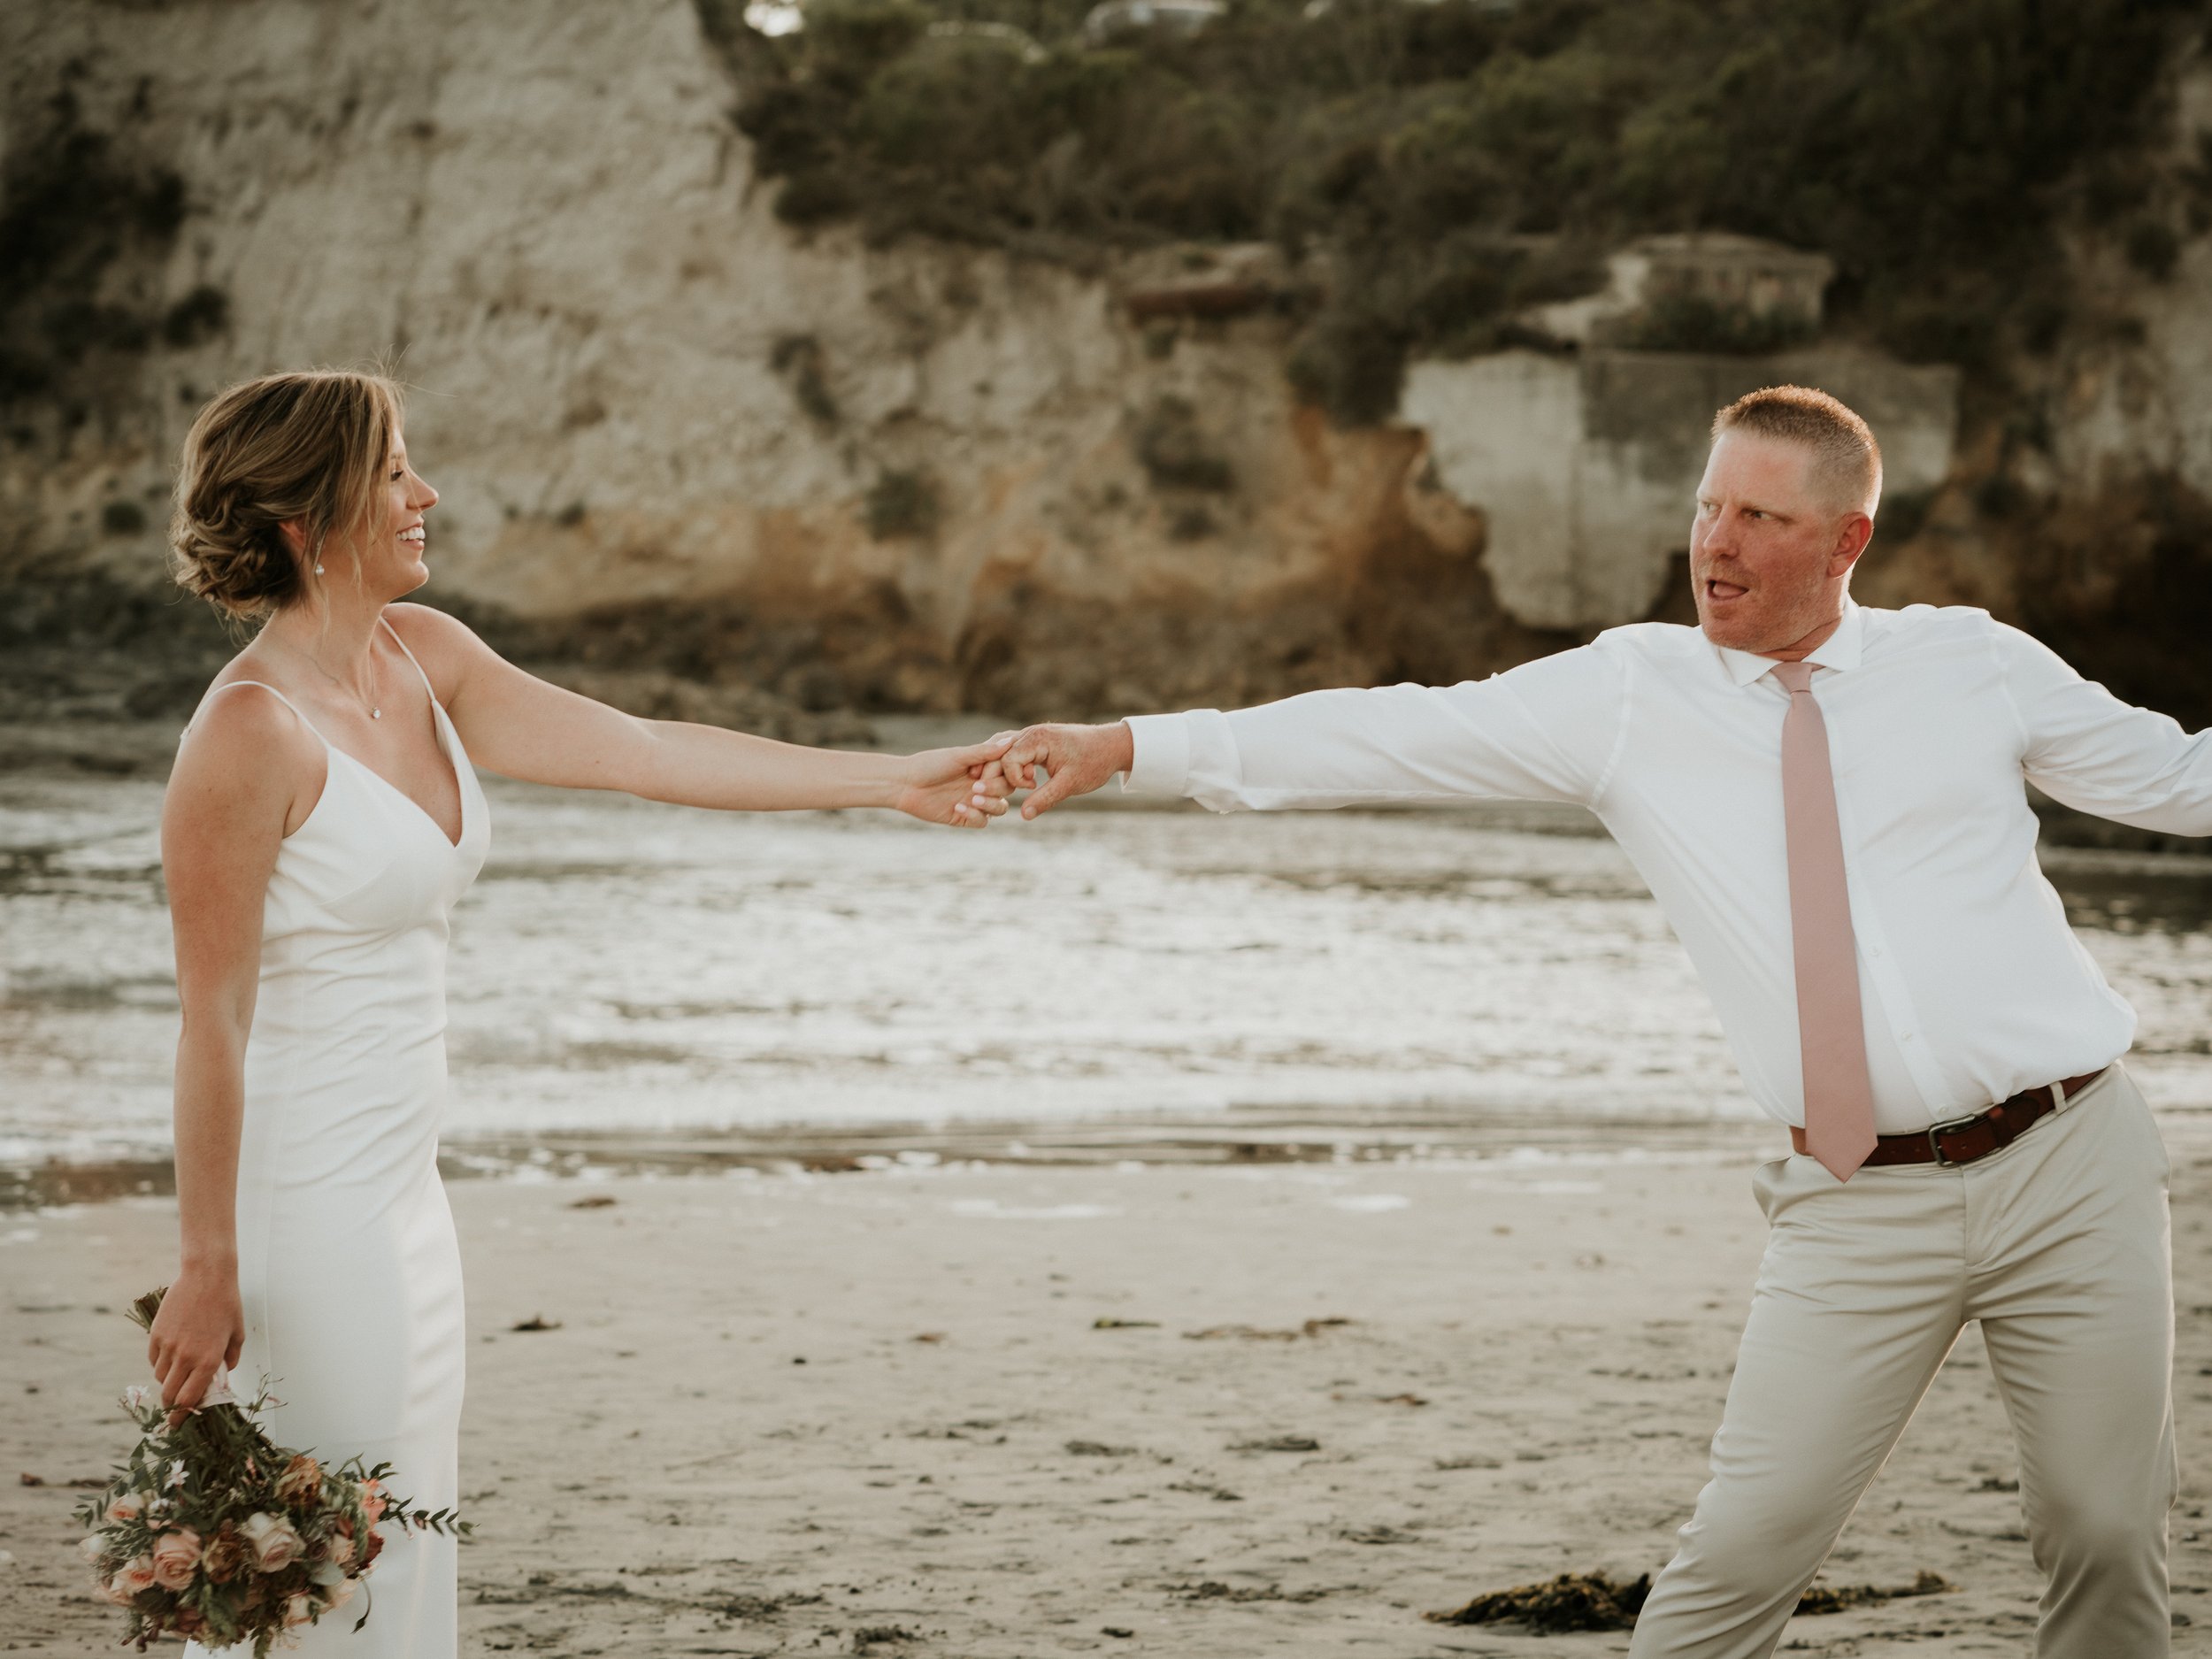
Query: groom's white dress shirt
[[1974, 987]]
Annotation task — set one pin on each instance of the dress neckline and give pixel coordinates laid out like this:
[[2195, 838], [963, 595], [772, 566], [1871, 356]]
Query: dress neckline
[[449, 742], [446, 747]]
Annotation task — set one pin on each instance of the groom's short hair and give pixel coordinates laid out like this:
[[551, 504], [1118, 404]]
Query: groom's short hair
[[1847, 461]]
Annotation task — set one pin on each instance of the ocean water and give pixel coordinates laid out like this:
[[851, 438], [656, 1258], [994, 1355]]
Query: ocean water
[[625, 967]]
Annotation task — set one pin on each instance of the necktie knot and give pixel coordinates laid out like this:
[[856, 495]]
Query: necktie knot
[[1795, 677]]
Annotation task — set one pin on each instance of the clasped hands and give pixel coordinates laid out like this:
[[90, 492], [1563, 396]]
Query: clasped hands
[[1052, 762]]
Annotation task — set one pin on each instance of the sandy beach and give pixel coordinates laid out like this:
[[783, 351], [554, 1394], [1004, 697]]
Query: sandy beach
[[984, 1411]]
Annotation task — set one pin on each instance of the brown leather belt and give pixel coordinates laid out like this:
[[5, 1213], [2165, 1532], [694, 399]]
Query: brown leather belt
[[1964, 1139]]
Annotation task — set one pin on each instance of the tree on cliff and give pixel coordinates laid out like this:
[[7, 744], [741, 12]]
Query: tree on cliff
[[1456, 160]]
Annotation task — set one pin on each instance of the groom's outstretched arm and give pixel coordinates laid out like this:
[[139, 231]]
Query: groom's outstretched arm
[[1550, 730]]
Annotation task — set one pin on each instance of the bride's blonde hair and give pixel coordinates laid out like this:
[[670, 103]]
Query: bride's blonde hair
[[309, 446]]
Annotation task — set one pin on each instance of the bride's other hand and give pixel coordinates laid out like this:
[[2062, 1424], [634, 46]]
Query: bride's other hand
[[197, 1334], [962, 787]]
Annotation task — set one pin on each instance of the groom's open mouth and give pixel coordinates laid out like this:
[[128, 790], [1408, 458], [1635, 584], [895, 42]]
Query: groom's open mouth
[[1720, 592]]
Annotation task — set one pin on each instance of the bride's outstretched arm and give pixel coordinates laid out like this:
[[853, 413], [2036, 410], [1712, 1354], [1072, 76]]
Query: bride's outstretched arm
[[521, 726]]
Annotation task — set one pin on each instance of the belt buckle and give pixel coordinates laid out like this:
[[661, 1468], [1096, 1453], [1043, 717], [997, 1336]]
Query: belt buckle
[[1936, 1132]]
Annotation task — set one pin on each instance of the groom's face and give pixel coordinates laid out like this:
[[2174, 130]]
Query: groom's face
[[1766, 547]]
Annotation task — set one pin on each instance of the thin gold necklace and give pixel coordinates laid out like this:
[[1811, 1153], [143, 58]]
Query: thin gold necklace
[[369, 701]]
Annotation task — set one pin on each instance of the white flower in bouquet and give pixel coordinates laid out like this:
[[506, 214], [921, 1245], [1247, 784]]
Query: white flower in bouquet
[[274, 1542]]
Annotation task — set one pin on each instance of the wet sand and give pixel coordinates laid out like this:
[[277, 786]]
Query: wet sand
[[1252, 1408]]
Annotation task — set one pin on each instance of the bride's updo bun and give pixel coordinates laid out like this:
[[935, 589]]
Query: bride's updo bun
[[308, 446]]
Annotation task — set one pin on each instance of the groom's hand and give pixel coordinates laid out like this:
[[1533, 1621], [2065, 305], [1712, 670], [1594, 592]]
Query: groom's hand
[[1074, 759]]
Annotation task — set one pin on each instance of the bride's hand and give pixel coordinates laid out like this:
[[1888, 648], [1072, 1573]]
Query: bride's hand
[[962, 786], [197, 1336]]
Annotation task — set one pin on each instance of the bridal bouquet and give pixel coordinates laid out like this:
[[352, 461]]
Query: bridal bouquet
[[212, 1532]]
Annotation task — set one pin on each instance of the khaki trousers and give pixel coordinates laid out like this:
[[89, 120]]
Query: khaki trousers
[[2059, 1245]]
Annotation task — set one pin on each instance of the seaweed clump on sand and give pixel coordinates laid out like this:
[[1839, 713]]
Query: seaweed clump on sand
[[1590, 1600], [1820, 1599], [1572, 1601]]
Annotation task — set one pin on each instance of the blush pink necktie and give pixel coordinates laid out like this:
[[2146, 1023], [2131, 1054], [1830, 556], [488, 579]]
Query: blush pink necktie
[[1831, 1025]]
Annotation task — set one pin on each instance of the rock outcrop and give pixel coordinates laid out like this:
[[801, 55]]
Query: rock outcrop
[[916, 477]]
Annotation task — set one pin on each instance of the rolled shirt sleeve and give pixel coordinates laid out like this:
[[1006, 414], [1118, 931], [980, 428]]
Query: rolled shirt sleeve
[[2084, 747], [1548, 730]]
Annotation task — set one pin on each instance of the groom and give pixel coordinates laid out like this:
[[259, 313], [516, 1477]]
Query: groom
[[1828, 802]]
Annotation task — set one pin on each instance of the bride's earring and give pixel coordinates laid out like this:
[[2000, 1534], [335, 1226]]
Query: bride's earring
[[318, 570]]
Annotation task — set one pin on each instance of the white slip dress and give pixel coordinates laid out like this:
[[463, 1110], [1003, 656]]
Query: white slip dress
[[347, 1261]]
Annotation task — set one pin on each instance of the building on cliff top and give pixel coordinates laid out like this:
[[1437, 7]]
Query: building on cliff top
[[1760, 283]]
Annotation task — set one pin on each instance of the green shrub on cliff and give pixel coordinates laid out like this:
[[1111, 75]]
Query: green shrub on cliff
[[1458, 159]]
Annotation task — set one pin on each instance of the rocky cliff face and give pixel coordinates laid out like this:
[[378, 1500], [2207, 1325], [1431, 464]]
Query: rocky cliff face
[[669, 430]]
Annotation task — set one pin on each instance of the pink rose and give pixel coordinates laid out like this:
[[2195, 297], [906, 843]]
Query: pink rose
[[340, 1547], [176, 1557], [110, 1591], [372, 1501], [134, 1575], [272, 1543], [129, 1507]]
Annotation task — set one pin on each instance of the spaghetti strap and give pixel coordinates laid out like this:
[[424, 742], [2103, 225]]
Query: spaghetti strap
[[393, 631], [273, 691]]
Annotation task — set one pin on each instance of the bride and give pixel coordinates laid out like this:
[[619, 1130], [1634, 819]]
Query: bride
[[322, 819]]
